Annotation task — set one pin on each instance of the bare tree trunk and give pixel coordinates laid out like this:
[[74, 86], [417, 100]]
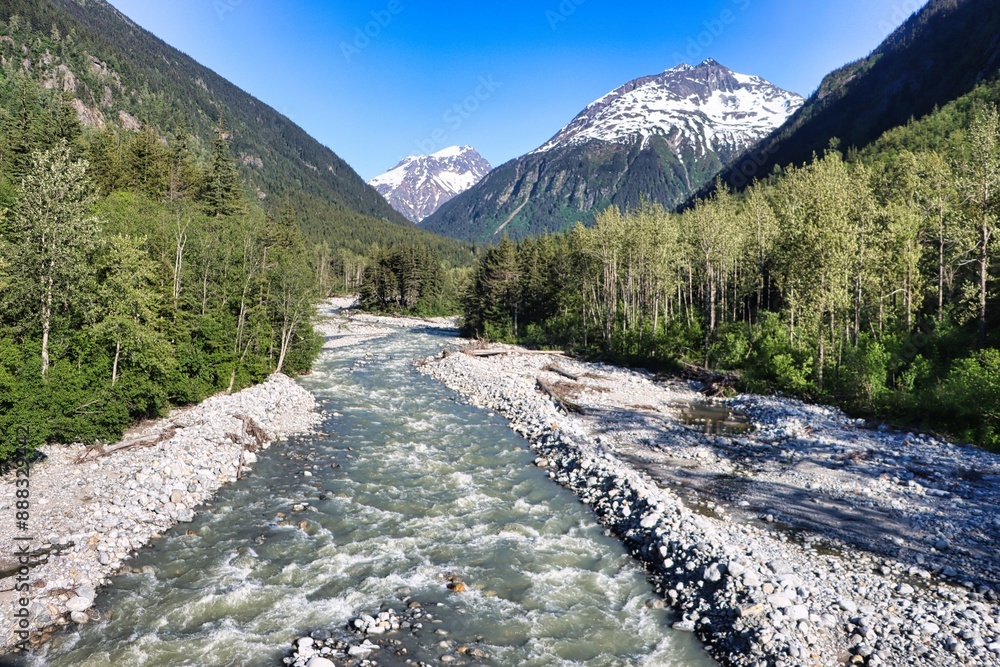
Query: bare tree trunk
[[46, 320], [180, 238], [114, 366], [822, 339], [984, 266], [204, 290], [941, 267]]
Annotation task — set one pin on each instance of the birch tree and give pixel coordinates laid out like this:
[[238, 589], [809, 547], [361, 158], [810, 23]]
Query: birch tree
[[51, 238]]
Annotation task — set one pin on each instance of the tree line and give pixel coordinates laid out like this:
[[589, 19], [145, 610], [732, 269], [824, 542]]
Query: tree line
[[135, 276], [866, 279]]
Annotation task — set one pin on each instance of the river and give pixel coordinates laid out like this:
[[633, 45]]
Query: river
[[407, 485]]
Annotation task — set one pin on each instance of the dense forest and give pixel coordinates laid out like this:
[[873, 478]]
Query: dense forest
[[406, 279], [122, 80], [135, 276], [867, 279], [164, 236]]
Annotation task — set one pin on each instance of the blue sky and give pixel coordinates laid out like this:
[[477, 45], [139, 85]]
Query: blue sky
[[377, 80]]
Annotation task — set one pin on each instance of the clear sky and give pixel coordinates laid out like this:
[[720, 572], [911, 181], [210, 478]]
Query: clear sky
[[377, 80]]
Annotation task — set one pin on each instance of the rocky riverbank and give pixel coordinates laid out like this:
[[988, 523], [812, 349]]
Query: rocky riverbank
[[92, 508], [810, 540], [342, 325]]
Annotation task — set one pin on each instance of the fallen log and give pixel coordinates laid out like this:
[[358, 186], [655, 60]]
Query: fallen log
[[714, 383], [97, 451], [32, 559], [493, 353], [551, 393], [562, 404], [253, 430], [559, 371]]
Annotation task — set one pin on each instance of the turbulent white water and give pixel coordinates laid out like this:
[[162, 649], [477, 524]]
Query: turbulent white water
[[431, 487]]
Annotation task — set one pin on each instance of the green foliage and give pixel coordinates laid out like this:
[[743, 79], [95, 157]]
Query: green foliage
[[867, 282], [406, 279], [116, 306], [971, 394]]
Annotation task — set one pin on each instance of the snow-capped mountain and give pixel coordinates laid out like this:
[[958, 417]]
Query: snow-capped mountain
[[708, 106], [658, 138], [419, 185]]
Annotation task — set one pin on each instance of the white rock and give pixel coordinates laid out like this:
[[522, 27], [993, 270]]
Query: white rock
[[318, 661], [79, 604]]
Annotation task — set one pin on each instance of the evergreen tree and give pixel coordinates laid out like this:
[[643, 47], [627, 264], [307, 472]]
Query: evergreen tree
[[128, 303], [222, 193], [183, 178], [146, 163]]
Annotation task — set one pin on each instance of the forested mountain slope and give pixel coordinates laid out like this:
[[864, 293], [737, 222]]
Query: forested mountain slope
[[657, 138], [122, 79], [939, 54]]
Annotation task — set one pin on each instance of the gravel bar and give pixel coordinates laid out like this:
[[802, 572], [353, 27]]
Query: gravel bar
[[810, 540], [91, 510]]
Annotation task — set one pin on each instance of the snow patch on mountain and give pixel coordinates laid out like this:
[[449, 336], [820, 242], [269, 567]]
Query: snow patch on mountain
[[709, 107], [421, 184]]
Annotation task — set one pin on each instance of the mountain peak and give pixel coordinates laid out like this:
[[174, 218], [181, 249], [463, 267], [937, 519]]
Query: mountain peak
[[452, 151], [420, 184], [657, 138], [709, 105]]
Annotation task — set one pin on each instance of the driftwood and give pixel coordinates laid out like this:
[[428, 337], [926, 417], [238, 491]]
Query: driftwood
[[551, 393], [493, 353], [560, 371], [253, 430], [565, 406], [33, 559], [97, 451], [714, 383]]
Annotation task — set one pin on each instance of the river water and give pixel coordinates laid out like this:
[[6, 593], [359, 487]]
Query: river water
[[425, 487]]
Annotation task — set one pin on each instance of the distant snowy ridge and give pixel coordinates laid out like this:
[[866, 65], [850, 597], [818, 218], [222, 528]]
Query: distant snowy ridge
[[708, 106], [419, 185]]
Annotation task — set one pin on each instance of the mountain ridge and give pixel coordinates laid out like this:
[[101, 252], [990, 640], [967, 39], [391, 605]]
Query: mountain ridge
[[658, 138], [123, 79], [940, 53]]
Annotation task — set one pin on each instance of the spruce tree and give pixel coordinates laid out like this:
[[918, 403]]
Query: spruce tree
[[223, 193]]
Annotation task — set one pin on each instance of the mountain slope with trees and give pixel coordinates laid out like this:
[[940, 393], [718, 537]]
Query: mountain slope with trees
[[658, 138], [867, 280], [941, 53], [123, 81]]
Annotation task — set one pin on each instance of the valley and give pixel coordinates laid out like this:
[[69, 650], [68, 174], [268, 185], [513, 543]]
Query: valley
[[704, 372]]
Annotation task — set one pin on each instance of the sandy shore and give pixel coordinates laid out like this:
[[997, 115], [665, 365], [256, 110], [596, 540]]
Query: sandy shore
[[810, 540], [90, 512]]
